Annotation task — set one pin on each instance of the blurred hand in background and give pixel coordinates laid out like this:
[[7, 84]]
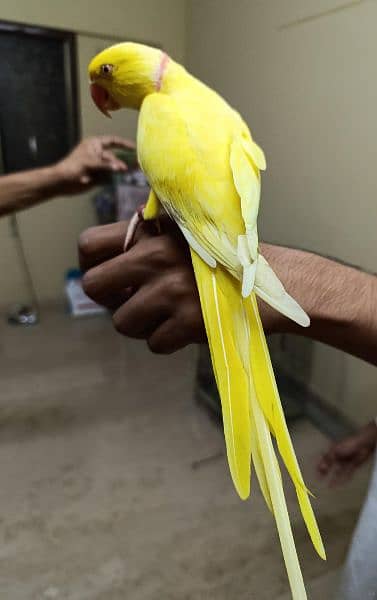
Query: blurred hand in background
[[343, 458], [92, 158], [83, 168]]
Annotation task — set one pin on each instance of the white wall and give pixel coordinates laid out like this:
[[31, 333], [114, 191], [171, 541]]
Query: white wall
[[303, 76], [50, 231]]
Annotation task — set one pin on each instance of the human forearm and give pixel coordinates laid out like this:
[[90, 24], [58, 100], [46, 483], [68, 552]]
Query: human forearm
[[22, 190], [340, 300], [76, 173]]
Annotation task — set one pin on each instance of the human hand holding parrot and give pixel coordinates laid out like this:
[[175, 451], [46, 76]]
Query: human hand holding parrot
[[204, 170]]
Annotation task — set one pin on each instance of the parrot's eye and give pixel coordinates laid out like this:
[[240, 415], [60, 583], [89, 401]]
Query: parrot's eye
[[106, 69]]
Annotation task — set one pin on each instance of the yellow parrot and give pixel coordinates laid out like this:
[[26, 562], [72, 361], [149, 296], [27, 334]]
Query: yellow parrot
[[204, 170]]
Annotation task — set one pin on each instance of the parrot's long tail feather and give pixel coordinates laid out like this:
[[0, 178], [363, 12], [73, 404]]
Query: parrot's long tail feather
[[229, 372], [251, 406], [278, 502], [269, 400]]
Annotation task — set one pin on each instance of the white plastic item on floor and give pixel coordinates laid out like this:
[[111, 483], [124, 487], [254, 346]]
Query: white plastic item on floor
[[80, 305]]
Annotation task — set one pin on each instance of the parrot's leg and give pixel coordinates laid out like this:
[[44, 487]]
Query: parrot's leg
[[152, 208], [148, 212]]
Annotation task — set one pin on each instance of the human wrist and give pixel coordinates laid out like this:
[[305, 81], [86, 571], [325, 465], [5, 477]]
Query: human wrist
[[62, 177], [289, 266], [35, 186]]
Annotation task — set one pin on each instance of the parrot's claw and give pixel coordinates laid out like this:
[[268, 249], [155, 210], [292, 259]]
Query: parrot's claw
[[135, 220], [132, 226]]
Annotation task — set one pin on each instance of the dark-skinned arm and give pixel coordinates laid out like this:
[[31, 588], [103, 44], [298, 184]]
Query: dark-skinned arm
[[340, 300], [152, 293]]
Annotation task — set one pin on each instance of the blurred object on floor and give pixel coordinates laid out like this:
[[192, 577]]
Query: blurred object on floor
[[80, 305], [21, 314], [27, 312]]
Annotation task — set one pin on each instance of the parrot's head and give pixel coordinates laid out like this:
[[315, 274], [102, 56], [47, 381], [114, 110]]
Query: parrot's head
[[124, 74]]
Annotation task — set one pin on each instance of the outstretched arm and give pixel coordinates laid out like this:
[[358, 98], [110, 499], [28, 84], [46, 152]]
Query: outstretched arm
[[74, 174]]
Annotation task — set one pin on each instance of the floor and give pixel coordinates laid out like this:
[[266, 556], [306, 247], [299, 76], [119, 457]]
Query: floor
[[114, 482]]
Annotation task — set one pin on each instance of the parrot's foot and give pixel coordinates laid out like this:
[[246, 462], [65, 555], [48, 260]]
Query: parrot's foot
[[136, 219]]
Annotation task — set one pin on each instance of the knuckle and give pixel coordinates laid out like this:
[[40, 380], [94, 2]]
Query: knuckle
[[192, 323], [119, 323], [168, 247], [157, 346], [89, 284], [177, 284], [156, 253], [123, 323], [86, 241]]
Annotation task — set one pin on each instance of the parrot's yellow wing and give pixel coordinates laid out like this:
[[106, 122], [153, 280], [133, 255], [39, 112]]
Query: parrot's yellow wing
[[188, 181]]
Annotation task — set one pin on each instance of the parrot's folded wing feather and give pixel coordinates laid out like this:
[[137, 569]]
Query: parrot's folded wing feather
[[249, 268], [245, 159], [247, 182], [254, 152], [269, 287], [194, 244]]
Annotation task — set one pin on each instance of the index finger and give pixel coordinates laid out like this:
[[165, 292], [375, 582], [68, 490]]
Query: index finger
[[109, 141], [101, 243], [127, 270]]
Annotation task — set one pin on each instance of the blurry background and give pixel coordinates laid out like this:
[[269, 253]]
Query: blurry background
[[303, 76]]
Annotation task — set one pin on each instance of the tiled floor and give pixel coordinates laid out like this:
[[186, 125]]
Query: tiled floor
[[114, 483]]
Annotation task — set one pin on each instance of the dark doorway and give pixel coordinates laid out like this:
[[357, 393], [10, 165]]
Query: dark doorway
[[38, 103]]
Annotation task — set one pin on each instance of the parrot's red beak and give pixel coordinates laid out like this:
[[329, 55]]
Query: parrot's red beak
[[103, 100]]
